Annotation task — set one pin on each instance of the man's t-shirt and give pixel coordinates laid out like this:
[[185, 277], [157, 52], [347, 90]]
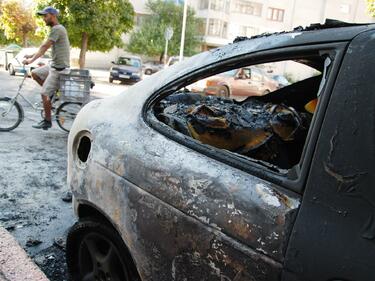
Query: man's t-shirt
[[61, 47]]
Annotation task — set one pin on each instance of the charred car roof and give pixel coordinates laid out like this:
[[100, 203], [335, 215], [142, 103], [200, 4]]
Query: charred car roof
[[329, 23]]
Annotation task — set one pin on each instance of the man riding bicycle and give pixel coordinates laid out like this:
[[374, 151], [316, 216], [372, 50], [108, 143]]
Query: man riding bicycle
[[48, 76]]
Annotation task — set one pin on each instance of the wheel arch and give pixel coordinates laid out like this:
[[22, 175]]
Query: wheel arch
[[229, 89], [86, 209], [227, 86]]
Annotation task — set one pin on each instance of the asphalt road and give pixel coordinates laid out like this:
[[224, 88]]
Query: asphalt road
[[33, 180]]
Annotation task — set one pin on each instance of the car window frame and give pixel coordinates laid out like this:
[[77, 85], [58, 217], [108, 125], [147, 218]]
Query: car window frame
[[295, 178]]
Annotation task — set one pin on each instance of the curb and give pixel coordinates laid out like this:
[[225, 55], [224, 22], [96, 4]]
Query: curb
[[15, 265]]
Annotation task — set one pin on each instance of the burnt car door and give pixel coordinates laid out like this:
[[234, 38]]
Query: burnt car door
[[220, 217], [334, 234]]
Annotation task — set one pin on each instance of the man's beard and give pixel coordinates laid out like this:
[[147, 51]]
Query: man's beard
[[49, 23]]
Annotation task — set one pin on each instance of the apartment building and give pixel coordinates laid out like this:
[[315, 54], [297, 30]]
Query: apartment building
[[223, 20]]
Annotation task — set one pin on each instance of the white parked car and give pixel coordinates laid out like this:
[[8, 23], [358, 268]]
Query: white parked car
[[15, 65]]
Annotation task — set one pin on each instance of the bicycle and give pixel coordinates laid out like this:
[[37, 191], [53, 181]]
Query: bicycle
[[12, 113]]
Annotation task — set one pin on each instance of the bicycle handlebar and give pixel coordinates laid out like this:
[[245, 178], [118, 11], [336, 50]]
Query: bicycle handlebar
[[23, 66]]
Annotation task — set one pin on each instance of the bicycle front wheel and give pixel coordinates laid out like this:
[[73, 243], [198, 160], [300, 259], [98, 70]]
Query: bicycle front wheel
[[11, 114], [66, 113]]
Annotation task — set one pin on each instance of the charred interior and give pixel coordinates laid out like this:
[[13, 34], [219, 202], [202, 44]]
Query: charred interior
[[271, 127]]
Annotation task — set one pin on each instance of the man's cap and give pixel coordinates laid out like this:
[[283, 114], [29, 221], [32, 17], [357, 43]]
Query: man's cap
[[48, 10]]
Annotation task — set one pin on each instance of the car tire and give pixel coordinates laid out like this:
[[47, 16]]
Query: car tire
[[148, 71], [95, 251], [223, 92], [11, 70], [110, 80]]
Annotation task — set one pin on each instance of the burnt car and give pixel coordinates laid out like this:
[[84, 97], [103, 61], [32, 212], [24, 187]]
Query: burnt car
[[126, 69], [242, 82], [169, 184]]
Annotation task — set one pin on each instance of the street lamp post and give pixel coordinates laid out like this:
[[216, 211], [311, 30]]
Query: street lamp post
[[183, 31]]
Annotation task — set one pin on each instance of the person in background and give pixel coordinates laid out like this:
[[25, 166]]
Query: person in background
[[48, 76]]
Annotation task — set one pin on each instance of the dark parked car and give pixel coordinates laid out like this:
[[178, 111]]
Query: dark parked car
[[151, 67], [174, 185], [126, 69]]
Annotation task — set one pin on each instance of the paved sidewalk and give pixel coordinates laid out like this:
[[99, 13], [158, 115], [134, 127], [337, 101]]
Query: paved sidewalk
[[15, 265]]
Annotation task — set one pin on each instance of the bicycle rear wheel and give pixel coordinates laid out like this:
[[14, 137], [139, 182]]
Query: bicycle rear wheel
[[66, 113], [11, 114]]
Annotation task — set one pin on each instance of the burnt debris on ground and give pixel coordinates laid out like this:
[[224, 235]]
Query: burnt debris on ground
[[33, 183], [52, 262]]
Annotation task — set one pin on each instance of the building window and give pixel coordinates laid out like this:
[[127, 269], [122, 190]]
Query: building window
[[203, 4], [218, 5], [202, 26], [224, 32], [217, 28], [248, 7], [275, 14], [214, 27], [248, 31], [227, 6]]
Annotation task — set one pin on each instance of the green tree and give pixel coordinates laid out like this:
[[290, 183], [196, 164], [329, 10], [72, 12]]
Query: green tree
[[3, 40], [149, 38], [371, 7], [94, 25], [17, 23]]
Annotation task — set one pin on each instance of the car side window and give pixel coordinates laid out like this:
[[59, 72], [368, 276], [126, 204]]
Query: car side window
[[267, 121], [246, 73]]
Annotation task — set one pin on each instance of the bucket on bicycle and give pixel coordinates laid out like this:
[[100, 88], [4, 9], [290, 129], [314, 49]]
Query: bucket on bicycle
[[75, 85]]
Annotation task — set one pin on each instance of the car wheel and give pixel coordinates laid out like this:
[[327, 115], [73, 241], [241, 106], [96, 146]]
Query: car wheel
[[223, 92], [148, 71], [110, 80], [94, 251], [11, 70]]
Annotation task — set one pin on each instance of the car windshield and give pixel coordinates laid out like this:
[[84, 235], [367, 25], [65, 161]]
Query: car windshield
[[129, 62]]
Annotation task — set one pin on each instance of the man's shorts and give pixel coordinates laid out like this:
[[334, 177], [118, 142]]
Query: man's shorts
[[51, 78]]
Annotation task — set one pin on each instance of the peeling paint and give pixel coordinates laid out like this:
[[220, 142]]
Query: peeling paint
[[267, 195]]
